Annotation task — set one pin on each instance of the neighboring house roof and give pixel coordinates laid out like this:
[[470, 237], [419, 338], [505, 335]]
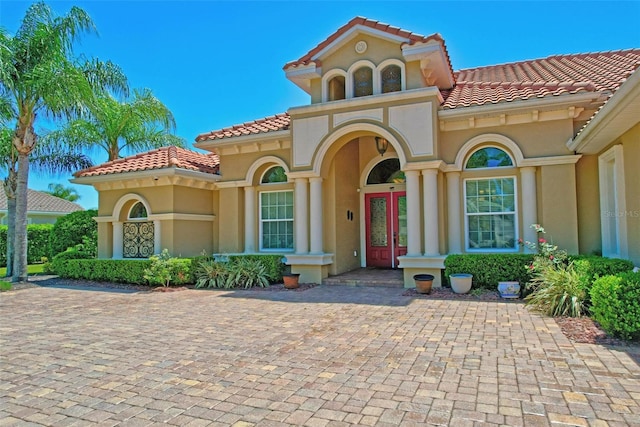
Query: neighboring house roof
[[551, 76], [268, 124], [376, 25], [40, 202], [161, 158]]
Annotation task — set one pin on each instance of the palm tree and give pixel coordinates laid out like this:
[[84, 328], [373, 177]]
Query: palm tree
[[135, 125], [47, 159], [41, 77], [62, 192]]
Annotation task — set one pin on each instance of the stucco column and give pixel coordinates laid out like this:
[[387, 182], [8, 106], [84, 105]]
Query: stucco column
[[315, 214], [529, 204], [302, 215], [453, 212], [157, 236], [413, 213], [249, 220], [430, 206], [118, 243]]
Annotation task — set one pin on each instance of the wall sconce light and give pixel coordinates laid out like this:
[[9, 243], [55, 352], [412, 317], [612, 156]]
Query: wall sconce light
[[381, 145]]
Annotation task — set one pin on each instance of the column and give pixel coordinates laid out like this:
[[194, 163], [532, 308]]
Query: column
[[118, 243], [315, 213], [157, 237], [302, 215], [413, 213], [430, 206], [529, 204], [249, 220], [453, 212]]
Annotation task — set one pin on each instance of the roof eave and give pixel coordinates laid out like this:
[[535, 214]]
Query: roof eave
[[209, 144], [148, 173], [617, 116]]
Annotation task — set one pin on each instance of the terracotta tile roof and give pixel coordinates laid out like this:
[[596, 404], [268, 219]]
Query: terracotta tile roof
[[161, 158], [538, 78], [267, 124], [359, 20], [38, 201]]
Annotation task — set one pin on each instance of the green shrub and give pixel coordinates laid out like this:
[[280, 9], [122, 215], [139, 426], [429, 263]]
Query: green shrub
[[211, 274], [616, 304], [245, 272], [69, 230], [273, 265], [165, 269], [37, 243], [489, 269], [560, 290]]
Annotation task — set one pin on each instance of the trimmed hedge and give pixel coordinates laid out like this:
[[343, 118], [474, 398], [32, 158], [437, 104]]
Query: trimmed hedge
[[73, 264], [104, 270], [601, 266], [37, 243], [616, 304], [489, 269]]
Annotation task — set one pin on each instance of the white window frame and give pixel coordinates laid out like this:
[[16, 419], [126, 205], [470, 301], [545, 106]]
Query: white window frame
[[515, 214], [262, 221], [144, 218], [613, 204]]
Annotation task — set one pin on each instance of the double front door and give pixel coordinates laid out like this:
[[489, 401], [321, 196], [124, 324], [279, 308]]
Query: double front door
[[386, 228]]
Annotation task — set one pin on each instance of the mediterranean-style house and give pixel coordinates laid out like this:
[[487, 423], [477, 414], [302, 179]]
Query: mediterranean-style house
[[397, 161]]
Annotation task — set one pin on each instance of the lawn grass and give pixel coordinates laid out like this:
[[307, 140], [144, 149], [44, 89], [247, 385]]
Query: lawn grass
[[31, 269]]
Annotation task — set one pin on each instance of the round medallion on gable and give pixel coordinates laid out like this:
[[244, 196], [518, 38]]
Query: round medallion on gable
[[361, 46]]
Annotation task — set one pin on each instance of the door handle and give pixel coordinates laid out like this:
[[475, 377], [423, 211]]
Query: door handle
[[395, 238]]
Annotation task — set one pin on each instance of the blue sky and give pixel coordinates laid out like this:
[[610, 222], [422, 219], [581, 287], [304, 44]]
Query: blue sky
[[218, 63]]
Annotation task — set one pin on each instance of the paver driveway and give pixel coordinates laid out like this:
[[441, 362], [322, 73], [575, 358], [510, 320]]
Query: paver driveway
[[325, 356]]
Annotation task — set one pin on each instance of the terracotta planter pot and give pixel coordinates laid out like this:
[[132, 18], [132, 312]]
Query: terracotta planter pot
[[291, 280], [424, 282], [461, 283]]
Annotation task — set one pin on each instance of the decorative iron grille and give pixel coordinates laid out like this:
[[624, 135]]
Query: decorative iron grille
[[138, 239]]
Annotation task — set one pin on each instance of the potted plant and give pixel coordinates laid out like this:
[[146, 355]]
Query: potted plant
[[509, 289], [424, 282], [291, 280], [460, 282]]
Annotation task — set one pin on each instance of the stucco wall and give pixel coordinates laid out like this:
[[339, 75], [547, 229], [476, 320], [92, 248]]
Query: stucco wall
[[533, 139], [631, 144], [235, 167], [588, 201], [557, 206], [230, 228], [191, 238], [346, 199]]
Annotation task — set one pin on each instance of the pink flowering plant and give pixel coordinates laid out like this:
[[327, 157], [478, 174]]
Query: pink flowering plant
[[547, 254]]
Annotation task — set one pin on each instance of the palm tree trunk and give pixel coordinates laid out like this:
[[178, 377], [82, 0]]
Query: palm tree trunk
[[10, 184], [20, 254]]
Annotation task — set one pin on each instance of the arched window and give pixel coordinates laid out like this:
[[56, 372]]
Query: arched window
[[363, 82], [138, 211], [489, 157], [391, 79], [336, 88], [387, 171], [273, 175]]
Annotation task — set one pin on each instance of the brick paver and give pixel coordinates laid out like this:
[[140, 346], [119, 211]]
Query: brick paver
[[328, 356]]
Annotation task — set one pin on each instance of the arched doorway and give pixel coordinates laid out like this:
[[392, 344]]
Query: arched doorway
[[385, 203]]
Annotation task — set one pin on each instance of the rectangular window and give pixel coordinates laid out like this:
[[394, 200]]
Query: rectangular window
[[276, 220], [490, 214]]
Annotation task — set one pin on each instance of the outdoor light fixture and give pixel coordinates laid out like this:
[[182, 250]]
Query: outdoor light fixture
[[381, 145]]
